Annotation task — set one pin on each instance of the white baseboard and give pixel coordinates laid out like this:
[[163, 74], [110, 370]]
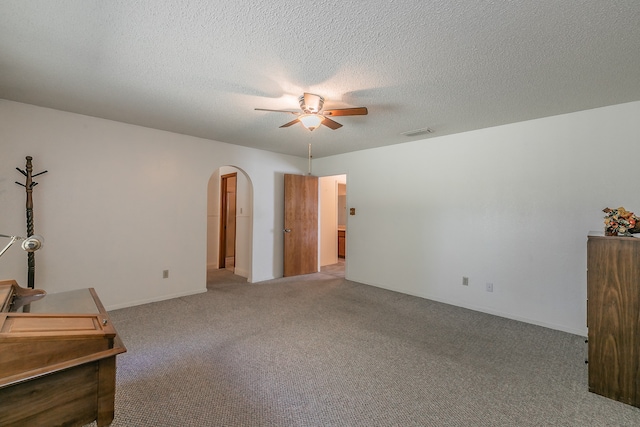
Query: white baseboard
[[155, 299], [579, 332]]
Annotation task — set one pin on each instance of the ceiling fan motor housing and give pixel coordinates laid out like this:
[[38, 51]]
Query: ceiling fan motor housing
[[311, 103]]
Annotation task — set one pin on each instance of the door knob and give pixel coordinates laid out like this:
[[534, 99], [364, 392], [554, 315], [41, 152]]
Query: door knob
[[287, 230]]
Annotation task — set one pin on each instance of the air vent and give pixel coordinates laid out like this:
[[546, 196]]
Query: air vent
[[417, 132]]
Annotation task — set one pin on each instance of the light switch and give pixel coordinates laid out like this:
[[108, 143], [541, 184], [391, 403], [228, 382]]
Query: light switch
[[352, 211]]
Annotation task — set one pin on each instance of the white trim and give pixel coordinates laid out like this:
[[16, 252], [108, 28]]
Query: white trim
[[150, 300]]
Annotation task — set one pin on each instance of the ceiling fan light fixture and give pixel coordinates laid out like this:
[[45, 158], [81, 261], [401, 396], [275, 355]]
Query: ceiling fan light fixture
[[311, 121]]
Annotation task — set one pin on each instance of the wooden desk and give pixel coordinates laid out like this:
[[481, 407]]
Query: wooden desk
[[57, 359]]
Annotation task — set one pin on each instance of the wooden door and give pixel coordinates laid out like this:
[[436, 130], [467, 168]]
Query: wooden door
[[300, 224], [227, 252]]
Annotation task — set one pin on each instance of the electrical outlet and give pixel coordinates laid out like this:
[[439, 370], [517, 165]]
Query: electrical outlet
[[489, 287], [465, 281], [165, 274]]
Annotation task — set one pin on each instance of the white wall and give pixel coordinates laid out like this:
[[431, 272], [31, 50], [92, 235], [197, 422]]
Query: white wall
[[121, 203], [511, 205]]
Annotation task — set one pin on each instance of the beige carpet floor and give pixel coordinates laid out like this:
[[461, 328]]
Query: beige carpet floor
[[319, 350]]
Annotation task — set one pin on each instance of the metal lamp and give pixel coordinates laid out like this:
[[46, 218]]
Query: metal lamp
[[29, 244]]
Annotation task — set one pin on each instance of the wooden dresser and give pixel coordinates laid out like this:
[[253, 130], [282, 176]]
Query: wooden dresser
[[57, 358], [613, 317]]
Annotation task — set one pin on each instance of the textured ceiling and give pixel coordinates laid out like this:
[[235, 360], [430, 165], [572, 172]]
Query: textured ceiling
[[201, 67]]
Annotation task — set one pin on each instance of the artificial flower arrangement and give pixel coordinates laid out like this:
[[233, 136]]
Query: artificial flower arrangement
[[620, 222]]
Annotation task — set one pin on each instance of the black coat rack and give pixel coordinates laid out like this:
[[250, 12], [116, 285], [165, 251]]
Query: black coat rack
[[28, 185]]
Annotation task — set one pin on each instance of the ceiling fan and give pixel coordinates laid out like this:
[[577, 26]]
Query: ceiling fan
[[312, 115]]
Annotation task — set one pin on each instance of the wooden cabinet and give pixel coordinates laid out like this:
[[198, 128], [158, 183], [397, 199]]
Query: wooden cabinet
[[57, 358], [613, 317], [342, 243]]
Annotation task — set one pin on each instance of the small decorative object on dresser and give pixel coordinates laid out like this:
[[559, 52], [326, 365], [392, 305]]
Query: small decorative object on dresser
[[620, 222]]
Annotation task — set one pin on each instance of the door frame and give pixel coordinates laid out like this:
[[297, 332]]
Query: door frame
[[328, 243], [222, 246]]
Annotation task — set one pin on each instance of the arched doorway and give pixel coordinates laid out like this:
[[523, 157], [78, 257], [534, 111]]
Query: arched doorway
[[240, 249]]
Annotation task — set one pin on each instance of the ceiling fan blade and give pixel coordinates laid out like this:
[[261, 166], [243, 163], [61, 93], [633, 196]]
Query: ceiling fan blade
[[277, 111], [331, 124], [358, 111], [291, 123]]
